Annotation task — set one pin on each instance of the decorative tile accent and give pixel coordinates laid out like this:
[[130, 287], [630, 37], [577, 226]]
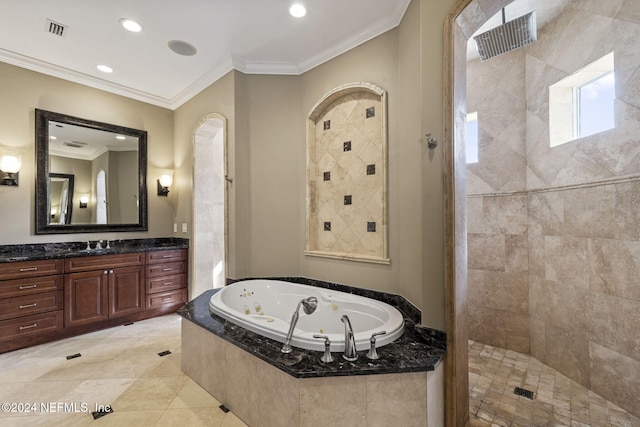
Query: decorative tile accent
[[327, 226], [371, 112], [349, 186], [327, 124], [371, 227]]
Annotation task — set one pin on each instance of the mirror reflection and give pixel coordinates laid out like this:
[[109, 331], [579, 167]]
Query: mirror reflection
[[61, 199], [105, 165], [91, 176]]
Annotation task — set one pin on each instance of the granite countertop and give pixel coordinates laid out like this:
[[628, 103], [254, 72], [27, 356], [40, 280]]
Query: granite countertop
[[418, 350], [33, 252]]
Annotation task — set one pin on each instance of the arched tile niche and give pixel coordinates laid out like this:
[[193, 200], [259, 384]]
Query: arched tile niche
[[347, 174]]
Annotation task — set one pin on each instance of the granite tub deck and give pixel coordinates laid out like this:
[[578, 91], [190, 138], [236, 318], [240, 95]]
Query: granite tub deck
[[34, 252], [264, 387]]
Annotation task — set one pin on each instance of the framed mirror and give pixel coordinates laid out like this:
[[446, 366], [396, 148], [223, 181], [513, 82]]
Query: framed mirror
[[96, 172]]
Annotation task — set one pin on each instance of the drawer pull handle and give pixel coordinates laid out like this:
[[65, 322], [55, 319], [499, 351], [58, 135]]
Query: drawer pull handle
[[167, 283], [166, 298], [28, 327], [22, 270], [167, 269], [167, 256], [29, 305], [28, 287]]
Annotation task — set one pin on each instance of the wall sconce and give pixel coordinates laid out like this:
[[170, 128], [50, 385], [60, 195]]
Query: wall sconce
[[54, 211], [10, 165], [165, 181], [84, 200]]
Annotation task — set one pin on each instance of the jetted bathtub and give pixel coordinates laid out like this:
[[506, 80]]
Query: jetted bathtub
[[265, 307]]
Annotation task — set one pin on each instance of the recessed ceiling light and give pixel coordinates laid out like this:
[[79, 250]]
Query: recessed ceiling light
[[131, 25], [297, 10], [104, 68], [182, 48]]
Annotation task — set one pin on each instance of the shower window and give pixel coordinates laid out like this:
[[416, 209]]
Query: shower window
[[594, 105], [472, 138], [582, 104]]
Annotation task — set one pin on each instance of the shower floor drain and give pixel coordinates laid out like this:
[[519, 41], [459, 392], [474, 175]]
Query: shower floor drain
[[523, 392]]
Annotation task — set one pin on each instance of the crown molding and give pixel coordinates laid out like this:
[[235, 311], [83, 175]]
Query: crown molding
[[234, 62]]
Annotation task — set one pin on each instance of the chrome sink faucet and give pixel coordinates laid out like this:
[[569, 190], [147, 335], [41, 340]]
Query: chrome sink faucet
[[349, 340]]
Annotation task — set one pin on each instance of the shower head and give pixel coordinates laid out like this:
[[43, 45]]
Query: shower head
[[309, 305], [504, 38]]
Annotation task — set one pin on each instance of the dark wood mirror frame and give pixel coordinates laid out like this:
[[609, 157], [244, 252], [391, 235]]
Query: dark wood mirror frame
[[42, 213]]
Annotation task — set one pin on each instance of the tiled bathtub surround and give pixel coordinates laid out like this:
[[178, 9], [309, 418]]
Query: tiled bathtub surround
[[263, 386], [554, 233], [346, 156]]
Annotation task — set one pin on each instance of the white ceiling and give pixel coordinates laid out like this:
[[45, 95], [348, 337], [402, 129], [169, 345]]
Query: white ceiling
[[252, 36]]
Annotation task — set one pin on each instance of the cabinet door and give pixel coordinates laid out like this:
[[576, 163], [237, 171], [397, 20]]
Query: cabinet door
[[86, 297], [126, 291]]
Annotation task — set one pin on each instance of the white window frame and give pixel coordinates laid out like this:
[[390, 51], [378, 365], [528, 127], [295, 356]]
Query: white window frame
[[564, 105]]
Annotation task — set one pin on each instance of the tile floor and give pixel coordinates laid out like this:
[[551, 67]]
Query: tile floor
[[119, 367], [558, 401]]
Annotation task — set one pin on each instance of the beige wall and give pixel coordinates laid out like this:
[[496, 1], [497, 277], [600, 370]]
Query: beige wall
[[22, 92], [266, 116], [267, 157]]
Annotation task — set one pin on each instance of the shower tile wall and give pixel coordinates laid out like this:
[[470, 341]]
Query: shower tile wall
[[582, 208], [346, 182]]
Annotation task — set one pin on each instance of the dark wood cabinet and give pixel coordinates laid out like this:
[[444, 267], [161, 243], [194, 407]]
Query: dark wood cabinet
[[107, 293], [166, 278], [31, 300], [45, 300]]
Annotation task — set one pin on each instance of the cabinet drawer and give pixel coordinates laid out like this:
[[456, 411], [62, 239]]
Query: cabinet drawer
[[155, 257], [17, 270], [166, 269], [166, 283], [100, 262], [19, 287], [30, 325], [178, 296], [30, 304]]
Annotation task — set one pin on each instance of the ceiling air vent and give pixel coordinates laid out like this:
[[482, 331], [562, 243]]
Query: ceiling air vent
[[56, 28]]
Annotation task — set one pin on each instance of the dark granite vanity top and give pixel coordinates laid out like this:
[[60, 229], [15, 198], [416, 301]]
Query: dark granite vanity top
[[32, 252], [418, 350]]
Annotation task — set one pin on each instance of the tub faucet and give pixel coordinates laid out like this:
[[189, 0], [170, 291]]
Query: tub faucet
[[309, 305], [349, 340]]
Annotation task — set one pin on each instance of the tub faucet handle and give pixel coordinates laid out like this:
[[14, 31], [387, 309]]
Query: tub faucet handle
[[326, 357], [373, 354]]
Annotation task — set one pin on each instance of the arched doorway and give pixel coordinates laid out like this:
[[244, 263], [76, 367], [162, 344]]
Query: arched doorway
[[209, 203]]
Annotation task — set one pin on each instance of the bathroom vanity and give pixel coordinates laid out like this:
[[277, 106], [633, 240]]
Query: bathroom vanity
[[54, 291]]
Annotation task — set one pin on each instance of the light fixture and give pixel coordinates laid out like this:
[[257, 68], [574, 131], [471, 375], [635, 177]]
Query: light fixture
[[54, 211], [164, 182], [10, 165], [104, 68], [121, 137], [84, 200], [297, 10], [131, 25]]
